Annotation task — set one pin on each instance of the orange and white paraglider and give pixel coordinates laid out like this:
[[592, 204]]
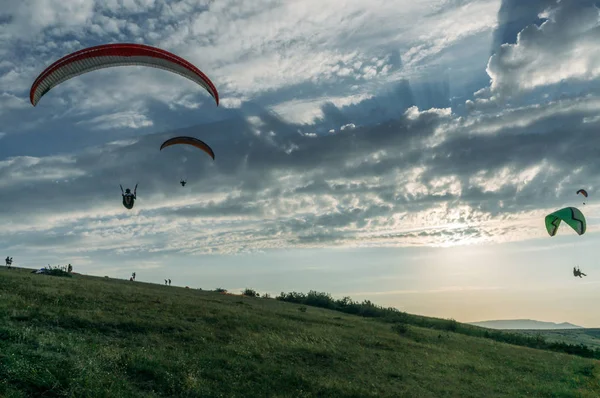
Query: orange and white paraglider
[[195, 142], [583, 192]]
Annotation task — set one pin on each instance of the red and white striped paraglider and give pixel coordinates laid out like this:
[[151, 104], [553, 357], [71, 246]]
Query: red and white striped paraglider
[[117, 54]]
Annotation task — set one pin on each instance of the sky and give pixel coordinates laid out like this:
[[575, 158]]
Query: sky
[[398, 151]]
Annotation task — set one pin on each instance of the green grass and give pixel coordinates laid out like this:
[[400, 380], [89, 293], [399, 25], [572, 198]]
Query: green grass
[[97, 337]]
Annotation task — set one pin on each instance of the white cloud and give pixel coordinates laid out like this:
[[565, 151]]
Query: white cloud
[[231, 102], [306, 111], [247, 49], [31, 17], [424, 177], [129, 119], [10, 102], [563, 48]]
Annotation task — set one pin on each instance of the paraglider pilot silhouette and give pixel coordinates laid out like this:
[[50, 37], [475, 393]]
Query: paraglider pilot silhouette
[[577, 272], [128, 197], [183, 182]]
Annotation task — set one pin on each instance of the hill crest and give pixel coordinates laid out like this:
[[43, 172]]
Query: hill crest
[[524, 324]]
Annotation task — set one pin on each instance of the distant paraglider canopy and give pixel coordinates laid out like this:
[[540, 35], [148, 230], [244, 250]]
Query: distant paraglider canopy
[[189, 141], [117, 54], [583, 192], [571, 215]]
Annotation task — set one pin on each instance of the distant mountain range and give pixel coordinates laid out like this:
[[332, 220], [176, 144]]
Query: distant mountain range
[[524, 324]]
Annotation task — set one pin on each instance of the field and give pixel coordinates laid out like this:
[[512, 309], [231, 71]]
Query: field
[[98, 337]]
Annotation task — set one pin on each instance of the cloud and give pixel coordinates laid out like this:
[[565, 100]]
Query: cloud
[[336, 129], [31, 17], [427, 178], [563, 49], [231, 102], [9, 102], [252, 51], [129, 119]]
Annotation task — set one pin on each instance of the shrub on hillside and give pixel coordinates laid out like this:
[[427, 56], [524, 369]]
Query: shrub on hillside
[[451, 325], [400, 328], [250, 293], [220, 290]]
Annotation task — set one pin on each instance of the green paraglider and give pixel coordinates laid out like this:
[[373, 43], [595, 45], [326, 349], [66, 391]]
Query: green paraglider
[[571, 215]]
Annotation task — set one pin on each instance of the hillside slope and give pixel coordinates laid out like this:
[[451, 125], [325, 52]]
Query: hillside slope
[[97, 337]]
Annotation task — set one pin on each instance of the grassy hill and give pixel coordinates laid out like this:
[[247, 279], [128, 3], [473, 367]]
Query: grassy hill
[[98, 337]]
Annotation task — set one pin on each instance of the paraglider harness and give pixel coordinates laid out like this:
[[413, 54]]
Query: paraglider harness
[[183, 182], [128, 197], [577, 272]]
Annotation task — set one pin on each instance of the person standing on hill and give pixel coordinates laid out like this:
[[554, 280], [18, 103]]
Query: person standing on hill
[[169, 282], [165, 282], [9, 261]]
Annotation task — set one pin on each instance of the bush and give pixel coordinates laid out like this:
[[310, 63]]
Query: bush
[[220, 290], [267, 296], [451, 325], [250, 293], [400, 328]]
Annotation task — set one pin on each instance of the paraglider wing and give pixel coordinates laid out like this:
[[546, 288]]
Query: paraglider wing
[[117, 54], [189, 141], [583, 192], [571, 215]]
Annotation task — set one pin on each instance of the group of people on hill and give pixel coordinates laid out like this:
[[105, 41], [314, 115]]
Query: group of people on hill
[[132, 279], [67, 268]]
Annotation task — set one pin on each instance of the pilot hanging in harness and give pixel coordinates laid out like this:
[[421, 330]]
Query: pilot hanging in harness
[[577, 272], [128, 197], [183, 182]]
